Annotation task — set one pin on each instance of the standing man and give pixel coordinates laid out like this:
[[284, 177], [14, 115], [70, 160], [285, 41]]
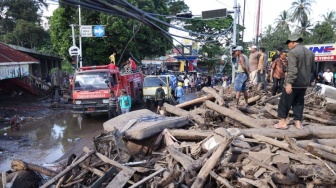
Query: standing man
[[112, 58], [179, 92], [253, 65], [262, 69], [242, 75], [278, 71], [132, 64], [159, 97], [299, 69], [125, 102], [328, 77], [277, 55], [113, 105]]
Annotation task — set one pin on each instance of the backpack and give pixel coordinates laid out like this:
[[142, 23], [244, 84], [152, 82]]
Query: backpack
[[161, 94]]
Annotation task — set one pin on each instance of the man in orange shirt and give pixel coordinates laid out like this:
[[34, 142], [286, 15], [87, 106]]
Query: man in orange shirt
[[278, 71]]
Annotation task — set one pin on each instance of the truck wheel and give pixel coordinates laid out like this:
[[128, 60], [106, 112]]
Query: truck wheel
[[148, 103]]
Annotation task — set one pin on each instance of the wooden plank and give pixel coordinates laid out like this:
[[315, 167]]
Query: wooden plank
[[120, 179]]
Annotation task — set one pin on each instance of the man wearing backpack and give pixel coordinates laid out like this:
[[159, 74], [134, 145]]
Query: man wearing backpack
[[159, 97]]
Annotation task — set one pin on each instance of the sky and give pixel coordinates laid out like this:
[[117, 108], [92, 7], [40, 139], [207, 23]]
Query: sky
[[270, 11]]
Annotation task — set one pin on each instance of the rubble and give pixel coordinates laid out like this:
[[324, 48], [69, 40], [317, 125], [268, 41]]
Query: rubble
[[209, 142]]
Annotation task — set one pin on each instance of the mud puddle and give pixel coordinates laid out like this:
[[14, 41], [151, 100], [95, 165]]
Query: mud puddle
[[46, 140]]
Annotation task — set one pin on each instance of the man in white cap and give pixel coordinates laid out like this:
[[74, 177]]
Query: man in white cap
[[242, 74], [299, 69], [253, 65]]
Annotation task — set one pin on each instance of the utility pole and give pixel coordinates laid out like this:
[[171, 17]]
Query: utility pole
[[80, 37], [258, 21], [234, 37], [243, 20]]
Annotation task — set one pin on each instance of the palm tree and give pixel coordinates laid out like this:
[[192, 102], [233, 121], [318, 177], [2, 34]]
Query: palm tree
[[330, 17], [305, 27], [283, 19], [300, 9]]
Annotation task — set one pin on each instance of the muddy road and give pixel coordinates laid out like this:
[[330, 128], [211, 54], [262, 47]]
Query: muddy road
[[54, 137], [48, 139]]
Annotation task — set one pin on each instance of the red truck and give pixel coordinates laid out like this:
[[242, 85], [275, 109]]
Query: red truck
[[92, 86]]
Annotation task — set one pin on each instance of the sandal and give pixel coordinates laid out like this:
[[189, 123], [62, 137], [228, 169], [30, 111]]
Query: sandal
[[300, 126], [279, 126]]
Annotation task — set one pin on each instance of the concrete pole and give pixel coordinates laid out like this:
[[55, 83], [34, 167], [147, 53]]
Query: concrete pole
[[234, 37], [73, 34], [80, 37]]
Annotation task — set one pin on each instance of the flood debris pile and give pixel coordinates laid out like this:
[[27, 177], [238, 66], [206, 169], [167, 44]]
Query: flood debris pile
[[209, 142]]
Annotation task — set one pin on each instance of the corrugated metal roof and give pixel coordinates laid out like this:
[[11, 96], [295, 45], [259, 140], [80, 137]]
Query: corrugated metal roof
[[10, 56]]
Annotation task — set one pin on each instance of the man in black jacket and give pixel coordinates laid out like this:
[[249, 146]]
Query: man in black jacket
[[299, 70]]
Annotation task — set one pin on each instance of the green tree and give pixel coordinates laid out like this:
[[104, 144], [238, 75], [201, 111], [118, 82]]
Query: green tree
[[141, 40], [177, 6], [283, 20], [300, 10], [322, 33], [274, 37], [330, 17]]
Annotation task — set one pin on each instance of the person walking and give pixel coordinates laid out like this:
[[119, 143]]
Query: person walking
[[300, 67], [113, 106], [253, 65], [262, 69], [242, 75], [179, 92], [159, 97], [125, 102], [278, 71]]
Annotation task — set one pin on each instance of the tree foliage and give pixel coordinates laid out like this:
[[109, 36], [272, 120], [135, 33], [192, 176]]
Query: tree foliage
[[141, 40]]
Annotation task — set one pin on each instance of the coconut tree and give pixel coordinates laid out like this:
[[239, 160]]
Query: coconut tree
[[305, 27], [300, 9], [330, 17], [283, 20]]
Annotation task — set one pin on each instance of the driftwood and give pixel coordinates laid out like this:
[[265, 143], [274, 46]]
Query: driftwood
[[58, 176], [180, 112], [221, 179], [308, 130], [171, 176], [191, 135], [186, 161], [250, 100], [330, 107], [147, 178], [322, 147], [213, 92], [195, 101], [211, 163], [245, 120], [326, 142], [21, 165]]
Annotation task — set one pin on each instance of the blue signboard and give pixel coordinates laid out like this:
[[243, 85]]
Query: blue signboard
[[99, 31]]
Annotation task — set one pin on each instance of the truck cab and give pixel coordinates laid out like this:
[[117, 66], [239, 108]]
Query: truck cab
[[93, 84], [152, 82]]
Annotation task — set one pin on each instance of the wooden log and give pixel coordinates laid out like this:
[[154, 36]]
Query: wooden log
[[326, 142], [211, 163], [183, 113], [186, 161], [288, 179], [147, 178], [222, 180], [331, 108], [166, 181], [70, 167], [255, 161], [21, 165], [191, 135], [241, 118], [309, 171], [323, 147], [271, 98], [270, 110], [213, 92], [308, 131], [194, 101], [274, 142], [321, 153], [250, 100], [249, 109]]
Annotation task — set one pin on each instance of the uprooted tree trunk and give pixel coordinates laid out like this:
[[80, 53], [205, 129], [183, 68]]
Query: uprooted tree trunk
[[213, 92], [21, 165], [241, 118], [195, 101], [180, 112]]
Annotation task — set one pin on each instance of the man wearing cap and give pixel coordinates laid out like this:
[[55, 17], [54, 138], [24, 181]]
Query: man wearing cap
[[299, 69], [253, 65], [242, 75]]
